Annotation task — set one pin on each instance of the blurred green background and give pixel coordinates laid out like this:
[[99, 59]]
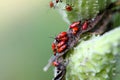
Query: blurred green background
[[25, 46]]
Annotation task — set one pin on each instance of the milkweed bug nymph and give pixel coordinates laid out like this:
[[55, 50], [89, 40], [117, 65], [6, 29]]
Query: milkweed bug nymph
[[62, 48], [60, 44], [62, 34], [75, 30], [75, 24], [54, 48], [85, 25], [62, 37], [75, 27], [68, 8]]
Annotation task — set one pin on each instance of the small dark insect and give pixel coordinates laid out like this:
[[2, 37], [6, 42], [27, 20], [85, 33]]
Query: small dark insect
[[75, 30], [58, 1], [75, 27]]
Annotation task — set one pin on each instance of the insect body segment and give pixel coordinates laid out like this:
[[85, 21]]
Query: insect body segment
[[62, 34], [68, 8], [60, 44], [75, 27], [62, 48], [75, 30], [74, 24], [61, 37], [85, 25], [54, 48]]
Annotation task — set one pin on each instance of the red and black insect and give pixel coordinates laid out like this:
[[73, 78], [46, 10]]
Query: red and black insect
[[59, 47], [62, 48], [62, 37], [75, 30], [60, 43], [75, 27]]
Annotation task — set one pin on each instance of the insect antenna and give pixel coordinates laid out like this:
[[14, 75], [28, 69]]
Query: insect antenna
[[51, 37]]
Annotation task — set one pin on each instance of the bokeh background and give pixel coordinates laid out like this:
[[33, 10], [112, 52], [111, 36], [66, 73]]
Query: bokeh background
[[25, 46]]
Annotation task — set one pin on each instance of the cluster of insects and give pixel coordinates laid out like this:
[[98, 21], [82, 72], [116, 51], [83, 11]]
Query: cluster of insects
[[66, 40], [53, 4]]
